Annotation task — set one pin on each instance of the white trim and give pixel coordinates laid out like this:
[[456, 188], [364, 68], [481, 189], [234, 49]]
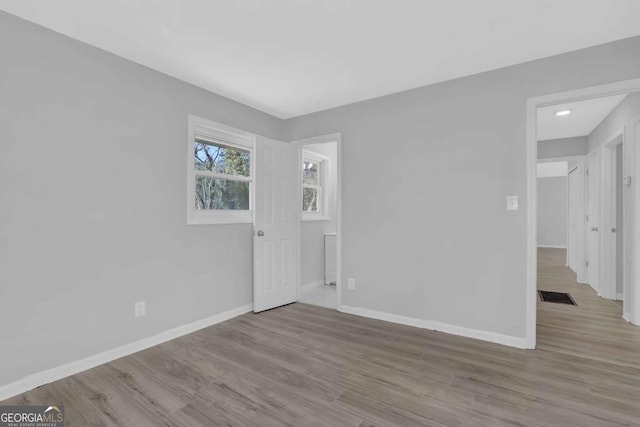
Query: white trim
[[324, 187], [632, 227], [311, 285], [617, 88], [218, 131], [578, 252], [532, 224], [552, 247], [608, 266], [310, 216], [227, 135], [593, 182], [567, 251], [337, 138], [224, 176], [438, 326], [54, 374], [626, 316], [223, 217], [569, 159], [619, 296]]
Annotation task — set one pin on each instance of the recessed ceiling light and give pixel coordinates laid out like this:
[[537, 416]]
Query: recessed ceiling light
[[563, 113]]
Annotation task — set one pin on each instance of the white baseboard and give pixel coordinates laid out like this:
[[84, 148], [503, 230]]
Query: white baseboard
[[438, 326], [627, 317], [620, 297], [552, 247], [312, 285], [50, 375]]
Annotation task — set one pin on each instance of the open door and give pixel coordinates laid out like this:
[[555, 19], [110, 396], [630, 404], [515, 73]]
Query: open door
[[593, 220], [275, 236], [574, 219]]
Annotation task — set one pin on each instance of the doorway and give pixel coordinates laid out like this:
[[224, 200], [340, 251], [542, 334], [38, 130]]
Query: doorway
[[600, 216], [320, 221], [614, 207], [296, 181]]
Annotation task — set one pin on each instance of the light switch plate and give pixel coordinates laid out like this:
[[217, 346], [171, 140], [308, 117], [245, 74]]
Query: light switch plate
[[139, 309], [512, 203]]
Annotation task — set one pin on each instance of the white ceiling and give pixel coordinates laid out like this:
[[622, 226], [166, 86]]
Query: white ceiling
[[584, 117], [291, 57]]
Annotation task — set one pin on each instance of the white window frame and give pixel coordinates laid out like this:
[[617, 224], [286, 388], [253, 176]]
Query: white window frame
[[323, 189], [227, 136]]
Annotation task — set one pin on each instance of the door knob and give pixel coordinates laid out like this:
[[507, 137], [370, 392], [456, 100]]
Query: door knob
[[594, 228], [260, 233]]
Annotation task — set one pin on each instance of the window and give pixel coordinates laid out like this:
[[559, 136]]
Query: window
[[314, 186], [220, 173]]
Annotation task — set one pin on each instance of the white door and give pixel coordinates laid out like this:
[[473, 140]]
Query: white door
[[618, 240], [275, 234], [631, 305], [572, 241], [593, 220]]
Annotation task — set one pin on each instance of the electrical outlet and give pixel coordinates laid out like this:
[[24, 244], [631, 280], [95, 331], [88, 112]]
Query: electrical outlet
[[139, 309], [351, 283]]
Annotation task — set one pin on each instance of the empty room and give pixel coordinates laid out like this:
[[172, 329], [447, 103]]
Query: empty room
[[323, 212]]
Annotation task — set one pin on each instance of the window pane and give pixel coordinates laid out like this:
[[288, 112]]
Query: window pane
[[221, 159], [310, 199], [216, 193], [310, 173]]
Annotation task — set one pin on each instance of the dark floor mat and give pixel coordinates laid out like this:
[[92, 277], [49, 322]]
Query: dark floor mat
[[557, 297]]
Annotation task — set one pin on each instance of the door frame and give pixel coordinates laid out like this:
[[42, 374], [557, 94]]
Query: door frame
[[579, 164], [594, 160], [579, 250], [608, 214], [580, 244], [533, 103], [632, 245], [300, 143]]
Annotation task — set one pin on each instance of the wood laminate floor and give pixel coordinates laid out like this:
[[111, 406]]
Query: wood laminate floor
[[302, 365], [593, 329]]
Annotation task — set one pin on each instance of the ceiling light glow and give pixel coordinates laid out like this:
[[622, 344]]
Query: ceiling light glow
[[563, 113]]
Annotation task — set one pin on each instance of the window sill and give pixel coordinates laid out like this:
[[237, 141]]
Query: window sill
[[213, 218], [315, 218]]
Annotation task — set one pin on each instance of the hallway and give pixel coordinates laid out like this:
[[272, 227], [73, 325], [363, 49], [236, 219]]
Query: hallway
[[593, 329]]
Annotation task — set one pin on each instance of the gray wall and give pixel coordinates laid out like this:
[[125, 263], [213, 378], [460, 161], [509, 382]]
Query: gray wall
[[563, 147], [426, 172], [312, 232], [92, 203], [552, 211], [627, 110], [624, 113], [92, 193], [312, 252]]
